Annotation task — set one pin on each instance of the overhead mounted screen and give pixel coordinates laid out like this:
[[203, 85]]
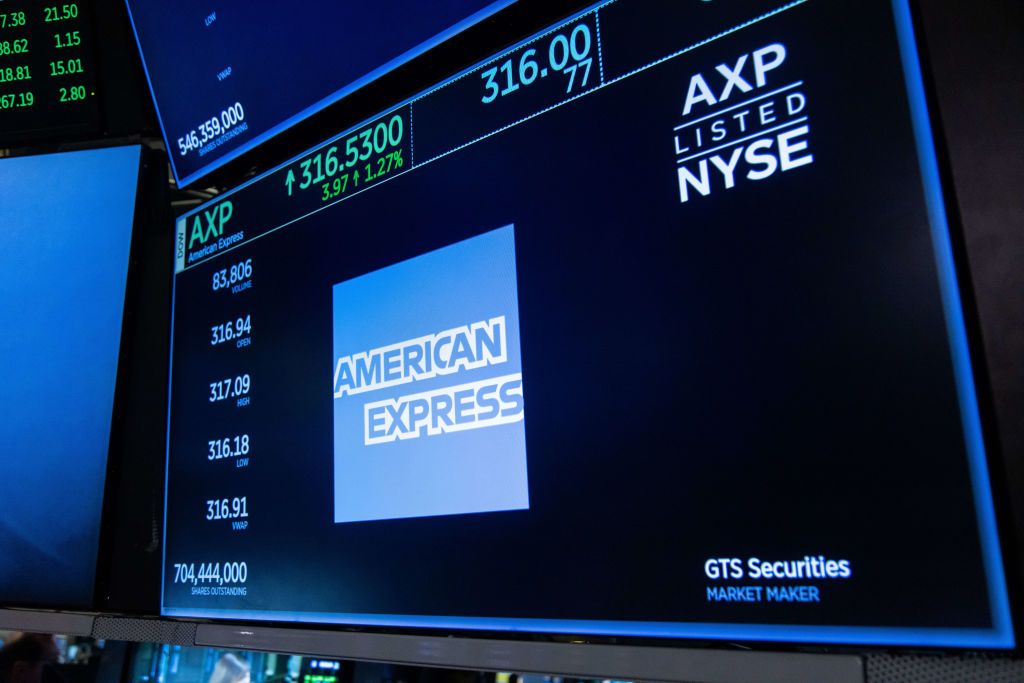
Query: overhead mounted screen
[[665, 295], [67, 228], [227, 76]]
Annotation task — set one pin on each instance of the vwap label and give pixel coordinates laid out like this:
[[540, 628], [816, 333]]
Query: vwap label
[[428, 387]]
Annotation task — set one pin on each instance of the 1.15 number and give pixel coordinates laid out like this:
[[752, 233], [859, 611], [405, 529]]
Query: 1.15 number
[[67, 39]]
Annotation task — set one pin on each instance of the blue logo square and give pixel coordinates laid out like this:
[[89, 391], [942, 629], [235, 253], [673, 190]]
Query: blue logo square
[[428, 387]]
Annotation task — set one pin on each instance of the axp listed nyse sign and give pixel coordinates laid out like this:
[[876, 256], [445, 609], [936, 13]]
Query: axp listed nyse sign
[[428, 386], [740, 122]]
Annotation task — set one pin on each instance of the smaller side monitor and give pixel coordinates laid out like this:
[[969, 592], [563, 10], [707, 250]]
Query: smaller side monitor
[[67, 232]]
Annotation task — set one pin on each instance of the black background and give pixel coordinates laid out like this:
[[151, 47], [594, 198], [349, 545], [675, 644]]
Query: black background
[[761, 372]]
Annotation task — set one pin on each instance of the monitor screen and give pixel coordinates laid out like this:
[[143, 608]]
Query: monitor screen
[[227, 77], [67, 228], [176, 664], [664, 294], [48, 80]]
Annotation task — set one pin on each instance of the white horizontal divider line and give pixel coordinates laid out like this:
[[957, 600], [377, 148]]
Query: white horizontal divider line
[[744, 139]]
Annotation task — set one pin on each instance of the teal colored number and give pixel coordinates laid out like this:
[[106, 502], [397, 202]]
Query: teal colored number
[[581, 31], [319, 162], [489, 85], [512, 85], [558, 61], [331, 162], [366, 136], [528, 68], [351, 151], [395, 137]]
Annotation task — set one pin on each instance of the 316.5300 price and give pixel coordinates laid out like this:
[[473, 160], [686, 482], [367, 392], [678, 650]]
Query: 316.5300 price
[[566, 54]]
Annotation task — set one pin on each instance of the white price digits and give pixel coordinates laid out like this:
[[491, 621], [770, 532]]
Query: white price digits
[[216, 573], [226, 508], [232, 328], [229, 388], [225, 277], [229, 447], [211, 129]]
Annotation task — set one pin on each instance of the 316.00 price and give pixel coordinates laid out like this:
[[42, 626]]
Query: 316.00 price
[[566, 54]]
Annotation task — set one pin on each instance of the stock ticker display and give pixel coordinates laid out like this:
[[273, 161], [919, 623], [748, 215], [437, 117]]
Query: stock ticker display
[[47, 70], [664, 294], [229, 75]]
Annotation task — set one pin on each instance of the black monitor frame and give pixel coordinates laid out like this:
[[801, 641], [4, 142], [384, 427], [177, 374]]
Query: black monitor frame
[[975, 98], [975, 95], [130, 552], [973, 33]]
